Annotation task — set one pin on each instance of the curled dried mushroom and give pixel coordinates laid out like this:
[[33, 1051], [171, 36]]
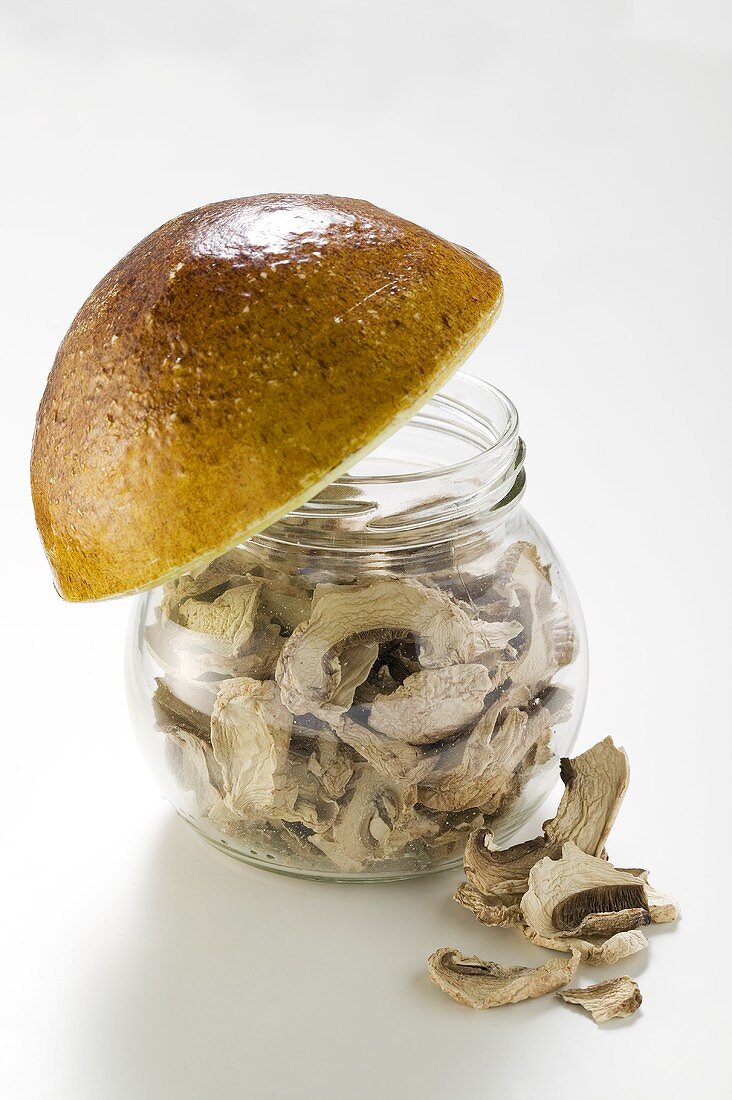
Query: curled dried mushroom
[[580, 895], [477, 984], [609, 1000]]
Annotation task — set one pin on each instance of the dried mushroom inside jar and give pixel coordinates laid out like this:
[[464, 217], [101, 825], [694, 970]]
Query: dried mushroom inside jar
[[371, 723]]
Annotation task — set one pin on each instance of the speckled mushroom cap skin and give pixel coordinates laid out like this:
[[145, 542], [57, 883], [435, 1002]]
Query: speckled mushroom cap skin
[[234, 363]]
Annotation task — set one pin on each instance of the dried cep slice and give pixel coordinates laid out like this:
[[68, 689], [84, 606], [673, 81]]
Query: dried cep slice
[[581, 895], [595, 784], [250, 735], [331, 764], [309, 669], [194, 768], [662, 907], [433, 704], [609, 1000], [486, 909], [548, 641], [596, 952], [373, 822], [396, 760], [169, 709], [478, 984], [228, 621], [488, 758]]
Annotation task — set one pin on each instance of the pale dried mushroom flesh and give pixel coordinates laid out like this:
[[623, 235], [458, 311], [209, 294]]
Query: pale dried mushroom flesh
[[478, 984], [581, 897], [611, 1000], [361, 722]]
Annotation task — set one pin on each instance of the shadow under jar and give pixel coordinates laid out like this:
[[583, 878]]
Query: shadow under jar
[[348, 694]]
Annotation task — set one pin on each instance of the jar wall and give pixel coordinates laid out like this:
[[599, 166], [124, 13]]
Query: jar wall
[[325, 716]]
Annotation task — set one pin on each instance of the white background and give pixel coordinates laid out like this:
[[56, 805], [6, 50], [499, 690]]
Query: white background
[[584, 149]]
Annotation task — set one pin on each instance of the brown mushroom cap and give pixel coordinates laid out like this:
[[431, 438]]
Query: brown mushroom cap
[[234, 363]]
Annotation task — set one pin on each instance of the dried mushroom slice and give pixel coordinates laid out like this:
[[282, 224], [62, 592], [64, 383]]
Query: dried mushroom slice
[[331, 764], [433, 704], [486, 909], [548, 641], [169, 708], [285, 605], [193, 767], [375, 822], [250, 735], [309, 670], [616, 998], [583, 896], [187, 654], [396, 760], [477, 984], [595, 784], [228, 622], [229, 569], [661, 907], [503, 742], [593, 952]]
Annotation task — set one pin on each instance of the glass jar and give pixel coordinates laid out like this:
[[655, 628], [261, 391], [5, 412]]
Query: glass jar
[[401, 660]]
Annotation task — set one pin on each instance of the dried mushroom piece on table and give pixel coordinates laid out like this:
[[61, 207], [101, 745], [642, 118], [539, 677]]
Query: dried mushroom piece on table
[[250, 735], [309, 670], [663, 909], [618, 997], [478, 984], [486, 909], [580, 895], [595, 784]]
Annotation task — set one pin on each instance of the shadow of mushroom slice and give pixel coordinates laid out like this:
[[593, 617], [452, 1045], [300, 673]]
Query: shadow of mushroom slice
[[582, 896], [250, 735], [309, 670], [433, 704], [397, 761], [477, 984], [193, 766], [548, 641], [375, 822], [595, 784], [487, 910], [609, 1000]]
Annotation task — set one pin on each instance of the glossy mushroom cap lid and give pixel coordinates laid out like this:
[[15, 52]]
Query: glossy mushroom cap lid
[[233, 364]]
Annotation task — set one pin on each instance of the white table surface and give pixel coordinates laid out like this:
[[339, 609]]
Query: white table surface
[[585, 150]]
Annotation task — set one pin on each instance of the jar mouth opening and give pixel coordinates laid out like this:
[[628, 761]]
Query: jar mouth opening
[[458, 461], [469, 413]]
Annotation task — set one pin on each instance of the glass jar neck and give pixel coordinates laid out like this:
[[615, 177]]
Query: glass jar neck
[[455, 469]]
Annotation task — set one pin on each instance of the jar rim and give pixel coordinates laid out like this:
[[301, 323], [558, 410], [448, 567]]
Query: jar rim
[[455, 466], [506, 437]]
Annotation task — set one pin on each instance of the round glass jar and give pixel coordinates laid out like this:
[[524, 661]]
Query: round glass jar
[[401, 660]]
